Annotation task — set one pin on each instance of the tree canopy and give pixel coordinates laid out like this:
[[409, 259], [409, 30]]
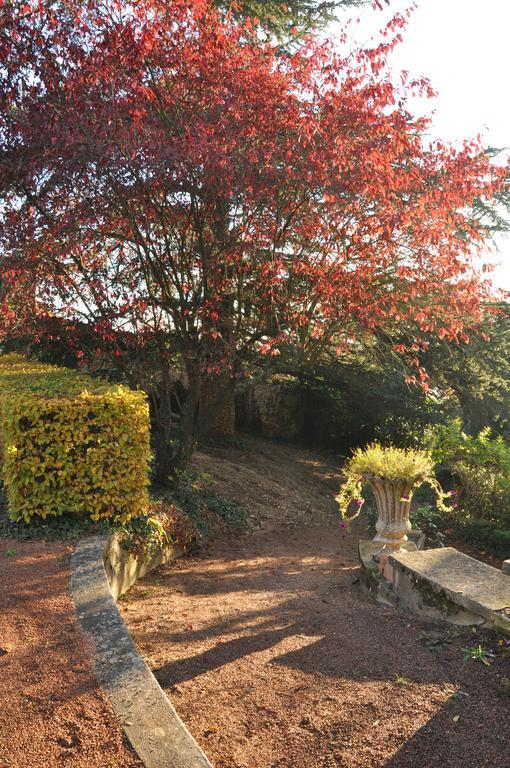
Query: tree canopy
[[171, 182]]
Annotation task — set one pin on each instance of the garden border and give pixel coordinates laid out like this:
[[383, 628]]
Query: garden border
[[101, 571]]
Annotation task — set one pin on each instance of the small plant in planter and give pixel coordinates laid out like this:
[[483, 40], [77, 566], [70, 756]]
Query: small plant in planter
[[164, 524], [393, 474]]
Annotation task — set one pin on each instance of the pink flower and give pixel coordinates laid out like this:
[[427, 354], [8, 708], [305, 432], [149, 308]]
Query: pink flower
[[360, 502], [343, 525], [453, 493], [405, 498]]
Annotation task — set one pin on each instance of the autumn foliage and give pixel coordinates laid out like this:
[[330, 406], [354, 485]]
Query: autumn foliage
[[174, 183]]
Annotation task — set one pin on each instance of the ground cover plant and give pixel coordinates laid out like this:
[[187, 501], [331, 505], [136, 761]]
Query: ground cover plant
[[163, 525], [209, 511]]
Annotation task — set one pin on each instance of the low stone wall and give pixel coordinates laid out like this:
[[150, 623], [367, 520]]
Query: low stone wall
[[101, 571], [123, 569], [448, 584], [440, 584]]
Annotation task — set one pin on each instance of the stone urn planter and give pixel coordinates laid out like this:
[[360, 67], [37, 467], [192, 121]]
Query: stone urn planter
[[393, 474], [393, 500]]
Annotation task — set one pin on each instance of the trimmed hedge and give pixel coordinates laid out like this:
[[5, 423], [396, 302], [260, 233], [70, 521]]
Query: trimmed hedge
[[70, 443]]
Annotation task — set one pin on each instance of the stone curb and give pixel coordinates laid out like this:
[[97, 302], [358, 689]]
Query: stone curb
[[150, 722]]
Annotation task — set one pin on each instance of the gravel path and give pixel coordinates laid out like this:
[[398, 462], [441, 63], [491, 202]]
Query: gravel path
[[275, 659], [51, 710]]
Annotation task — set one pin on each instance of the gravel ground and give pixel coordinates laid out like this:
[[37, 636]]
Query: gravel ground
[[51, 710], [275, 659]]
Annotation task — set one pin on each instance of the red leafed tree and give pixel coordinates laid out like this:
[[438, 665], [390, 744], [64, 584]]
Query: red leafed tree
[[193, 199]]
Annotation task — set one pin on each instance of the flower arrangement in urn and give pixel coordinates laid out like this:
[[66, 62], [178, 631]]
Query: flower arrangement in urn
[[393, 474]]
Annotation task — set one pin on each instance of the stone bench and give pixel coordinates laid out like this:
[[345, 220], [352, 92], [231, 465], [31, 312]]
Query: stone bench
[[447, 584]]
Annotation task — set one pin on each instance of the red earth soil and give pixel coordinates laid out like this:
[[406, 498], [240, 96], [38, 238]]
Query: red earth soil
[[274, 657], [52, 712]]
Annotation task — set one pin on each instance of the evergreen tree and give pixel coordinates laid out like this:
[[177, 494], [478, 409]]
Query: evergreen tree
[[287, 21]]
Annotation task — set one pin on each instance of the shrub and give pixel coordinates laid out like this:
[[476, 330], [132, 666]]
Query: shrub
[[485, 534], [63, 528], [480, 467], [431, 522], [71, 443], [164, 524]]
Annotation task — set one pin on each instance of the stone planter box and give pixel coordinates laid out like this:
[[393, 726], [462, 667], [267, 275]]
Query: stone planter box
[[124, 569]]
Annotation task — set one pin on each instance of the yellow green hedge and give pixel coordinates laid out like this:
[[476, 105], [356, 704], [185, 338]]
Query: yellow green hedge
[[70, 443]]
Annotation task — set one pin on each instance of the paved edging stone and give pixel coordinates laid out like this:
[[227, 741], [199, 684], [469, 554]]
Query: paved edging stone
[[150, 722], [451, 582]]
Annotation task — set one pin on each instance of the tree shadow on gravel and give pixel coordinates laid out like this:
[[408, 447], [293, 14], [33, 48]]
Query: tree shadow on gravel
[[350, 637], [454, 738], [223, 653], [269, 616]]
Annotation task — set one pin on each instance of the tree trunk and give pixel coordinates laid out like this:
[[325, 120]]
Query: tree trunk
[[173, 431], [188, 426], [163, 434], [217, 404]]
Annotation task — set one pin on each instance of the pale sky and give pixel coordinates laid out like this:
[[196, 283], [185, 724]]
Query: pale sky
[[463, 48]]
